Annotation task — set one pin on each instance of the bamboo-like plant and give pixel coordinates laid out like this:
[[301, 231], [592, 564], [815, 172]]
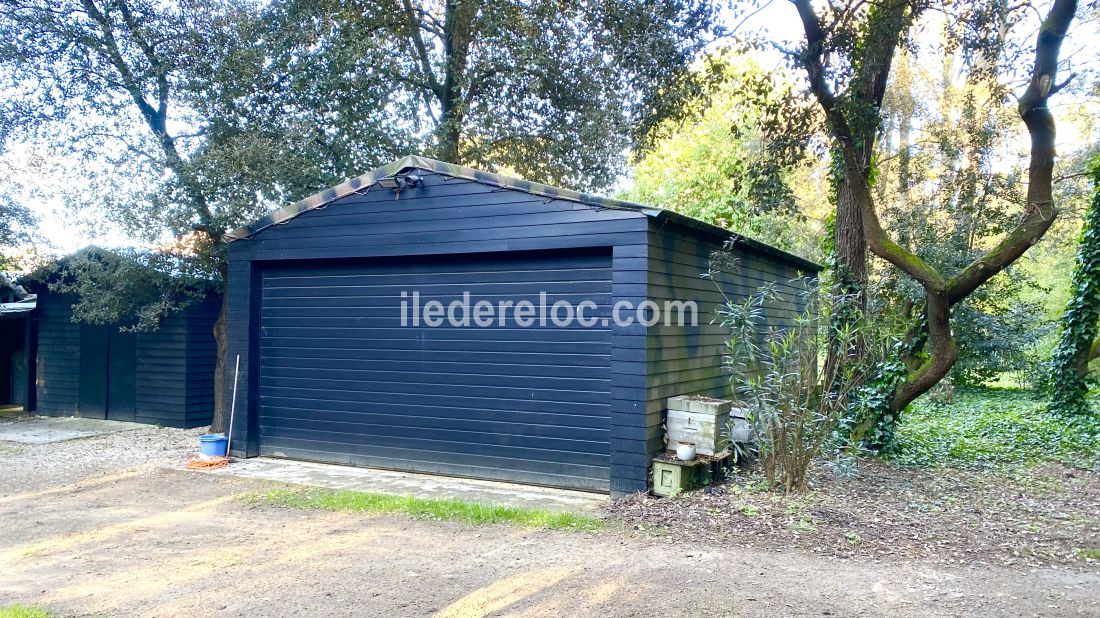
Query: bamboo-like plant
[[794, 408]]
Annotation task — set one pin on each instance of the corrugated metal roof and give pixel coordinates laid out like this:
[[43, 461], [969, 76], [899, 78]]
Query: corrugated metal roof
[[362, 183]]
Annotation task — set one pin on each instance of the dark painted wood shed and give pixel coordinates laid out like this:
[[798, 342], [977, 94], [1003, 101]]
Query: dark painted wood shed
[[162, 377], [330, 373]]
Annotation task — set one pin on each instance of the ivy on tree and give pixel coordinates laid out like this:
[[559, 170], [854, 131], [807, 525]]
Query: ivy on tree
[[1079, 343]]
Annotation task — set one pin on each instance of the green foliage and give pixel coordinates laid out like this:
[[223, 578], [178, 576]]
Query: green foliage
[[993, 427], [23, 611], [552, 91], [945, 192], [870, 426], [132, 288], [1068, 383], [743, 162], [794, 408], [425, 508], [15, 222]]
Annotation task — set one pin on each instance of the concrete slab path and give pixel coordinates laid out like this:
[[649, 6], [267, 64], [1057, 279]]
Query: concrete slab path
[[373, 480], [47, 430]]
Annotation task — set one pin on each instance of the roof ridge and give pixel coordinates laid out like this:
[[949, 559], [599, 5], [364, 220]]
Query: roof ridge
[[359, 183]]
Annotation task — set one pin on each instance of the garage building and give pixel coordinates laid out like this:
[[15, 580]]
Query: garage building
[[330, 373]]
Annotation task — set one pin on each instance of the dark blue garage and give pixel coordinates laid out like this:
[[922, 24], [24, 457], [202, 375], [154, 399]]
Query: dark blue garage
[[414, 318]]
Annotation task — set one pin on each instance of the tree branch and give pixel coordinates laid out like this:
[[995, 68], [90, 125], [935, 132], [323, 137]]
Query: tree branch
[[1040, 212], [155, 118], [421, 49], [150, 54], [877, 238], [114, 56]]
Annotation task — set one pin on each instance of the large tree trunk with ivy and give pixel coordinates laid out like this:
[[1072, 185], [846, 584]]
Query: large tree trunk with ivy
[[1079, 343], [850, 243], [884, 30]]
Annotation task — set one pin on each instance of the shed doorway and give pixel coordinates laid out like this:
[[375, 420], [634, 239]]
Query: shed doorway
[[108, 372]]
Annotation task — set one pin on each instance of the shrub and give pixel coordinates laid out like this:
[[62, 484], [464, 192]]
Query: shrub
[[793, 407]]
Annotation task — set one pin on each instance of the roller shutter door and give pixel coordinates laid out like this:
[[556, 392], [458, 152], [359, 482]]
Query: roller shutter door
[[342, 381]]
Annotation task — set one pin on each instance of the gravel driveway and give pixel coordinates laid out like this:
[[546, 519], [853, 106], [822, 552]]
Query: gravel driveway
[[106, 526]]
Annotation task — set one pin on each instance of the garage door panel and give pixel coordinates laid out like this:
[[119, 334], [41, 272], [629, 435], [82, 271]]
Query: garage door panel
[[528, 411], [459, 436], [417, 378], [445, 448], [393, 305], [400, 368], [342, 380], [315, 388], [300, 309], [441, 291], [311, 346], [439, 418], [586, 361], [446, 265], [512, 278], [424, 335]]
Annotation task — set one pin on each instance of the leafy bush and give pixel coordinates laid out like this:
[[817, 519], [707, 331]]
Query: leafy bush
[[794, 408], [993, 427]]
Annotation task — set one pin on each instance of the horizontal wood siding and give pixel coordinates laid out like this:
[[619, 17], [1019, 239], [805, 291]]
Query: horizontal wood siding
[[58, 360], [161, 373], [341, 380], [202, 357], [449, 217], [687, 360], [175, 368]]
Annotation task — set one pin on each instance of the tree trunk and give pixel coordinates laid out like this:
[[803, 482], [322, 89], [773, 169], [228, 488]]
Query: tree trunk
[[942, 357], [851, 246], [458, 24], [220, 422], [850, 275]]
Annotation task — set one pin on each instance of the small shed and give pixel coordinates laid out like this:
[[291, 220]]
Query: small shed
[[335, 369], [16, 347], [162, 377]]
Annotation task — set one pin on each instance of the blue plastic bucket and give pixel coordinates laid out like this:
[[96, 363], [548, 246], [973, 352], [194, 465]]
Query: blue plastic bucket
[[213, 444]]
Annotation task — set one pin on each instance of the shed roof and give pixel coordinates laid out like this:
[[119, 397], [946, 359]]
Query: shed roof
[[360, 184]]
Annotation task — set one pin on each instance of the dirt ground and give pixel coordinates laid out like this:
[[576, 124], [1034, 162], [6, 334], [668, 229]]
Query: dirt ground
[[153, 541], [1025, 517]]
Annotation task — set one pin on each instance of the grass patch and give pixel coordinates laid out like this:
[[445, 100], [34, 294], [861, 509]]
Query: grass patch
[[424, 508], [23, 611], [1089, 554], [990, 427], [8, 449]]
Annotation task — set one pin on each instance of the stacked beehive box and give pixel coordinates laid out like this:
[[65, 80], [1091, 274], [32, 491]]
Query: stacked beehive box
[[710, 424]]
